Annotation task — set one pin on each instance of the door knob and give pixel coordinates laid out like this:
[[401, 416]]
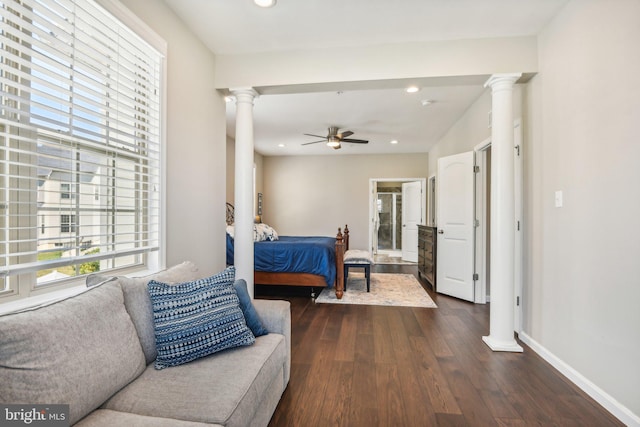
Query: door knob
[[440, 231]]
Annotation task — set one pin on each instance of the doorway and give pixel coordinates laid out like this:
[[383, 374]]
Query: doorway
[[483, 215], [390, 220], [479, 195], [396, 205]]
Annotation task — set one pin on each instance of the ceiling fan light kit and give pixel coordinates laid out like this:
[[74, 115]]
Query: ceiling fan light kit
[[333, 142]]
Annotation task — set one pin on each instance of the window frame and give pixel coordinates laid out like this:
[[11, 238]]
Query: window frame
[[25, 290], [65, 191], [68, 223]]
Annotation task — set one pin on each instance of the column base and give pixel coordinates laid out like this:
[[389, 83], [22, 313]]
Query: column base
[[500, 345]]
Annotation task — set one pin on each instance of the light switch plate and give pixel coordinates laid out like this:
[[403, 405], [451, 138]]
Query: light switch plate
[[558, 199]]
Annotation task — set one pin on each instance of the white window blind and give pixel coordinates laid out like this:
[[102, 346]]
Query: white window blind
[[79, 142]]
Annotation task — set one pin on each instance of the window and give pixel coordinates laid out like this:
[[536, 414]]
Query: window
[[67, 223], [65, 191], [80, 143]]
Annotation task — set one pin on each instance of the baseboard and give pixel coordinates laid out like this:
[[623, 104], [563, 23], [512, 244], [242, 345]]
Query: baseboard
[[607, 401]]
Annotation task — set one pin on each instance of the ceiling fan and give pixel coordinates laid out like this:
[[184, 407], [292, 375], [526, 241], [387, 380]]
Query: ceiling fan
[[334, 139]]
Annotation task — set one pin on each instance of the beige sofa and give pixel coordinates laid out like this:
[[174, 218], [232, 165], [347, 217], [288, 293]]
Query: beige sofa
[[95, 351]]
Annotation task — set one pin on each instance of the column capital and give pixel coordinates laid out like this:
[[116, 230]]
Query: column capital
[[500, 79], [244, 93]]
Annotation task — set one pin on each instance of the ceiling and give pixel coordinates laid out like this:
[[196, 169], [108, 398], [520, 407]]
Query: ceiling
[[380, 115]]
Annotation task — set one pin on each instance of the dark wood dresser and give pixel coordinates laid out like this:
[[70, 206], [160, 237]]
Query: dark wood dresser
[[427, 254]]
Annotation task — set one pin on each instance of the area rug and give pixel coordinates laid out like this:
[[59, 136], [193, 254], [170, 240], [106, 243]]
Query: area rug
[[386, 289]]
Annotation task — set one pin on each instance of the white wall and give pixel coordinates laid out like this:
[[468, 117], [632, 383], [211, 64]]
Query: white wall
[[195, 143], [471, 129], [580, 116], [582, 286], [314, 195], [231, 170]]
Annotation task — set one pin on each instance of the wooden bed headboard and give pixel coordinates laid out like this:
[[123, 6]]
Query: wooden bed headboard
[[230, 214]]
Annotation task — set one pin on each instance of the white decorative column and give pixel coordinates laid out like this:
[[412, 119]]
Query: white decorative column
[[502, 262], [243, 190]]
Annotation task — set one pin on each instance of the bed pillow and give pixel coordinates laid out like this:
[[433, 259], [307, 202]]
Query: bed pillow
[[258, 233], [196, 319], [250, 314], [270, 233], [265, 232], [230, 230], [261, 232]]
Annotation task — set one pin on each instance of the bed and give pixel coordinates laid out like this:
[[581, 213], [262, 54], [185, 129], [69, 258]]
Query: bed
[[312, 261]]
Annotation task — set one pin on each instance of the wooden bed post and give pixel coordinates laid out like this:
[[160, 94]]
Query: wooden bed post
[[340, 264], [346, 237]]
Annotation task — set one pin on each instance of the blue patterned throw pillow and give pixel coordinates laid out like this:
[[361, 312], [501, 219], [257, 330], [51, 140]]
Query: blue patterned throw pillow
[[196, 319]]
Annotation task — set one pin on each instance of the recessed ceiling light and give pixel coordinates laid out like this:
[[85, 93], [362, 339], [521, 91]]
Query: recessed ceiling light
[[281, 145], [395, 141], [412, 89], [426, 102], [265, 3]]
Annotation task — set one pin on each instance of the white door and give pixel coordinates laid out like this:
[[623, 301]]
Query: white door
[[375, 218], [411, 217], [455, 214]]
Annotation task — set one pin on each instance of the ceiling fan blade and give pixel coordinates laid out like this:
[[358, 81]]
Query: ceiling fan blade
[[314, 142], [317, 136], [345, 134], [354, 141]]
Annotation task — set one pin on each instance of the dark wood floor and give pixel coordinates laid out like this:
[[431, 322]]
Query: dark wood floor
[[396, 366]]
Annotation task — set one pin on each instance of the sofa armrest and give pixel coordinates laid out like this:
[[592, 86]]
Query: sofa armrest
[[276, 317]]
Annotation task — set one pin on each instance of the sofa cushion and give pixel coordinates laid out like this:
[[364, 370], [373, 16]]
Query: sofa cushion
[[224, 388], [109, 418], [138, 302], [250, 314], [198, 318], [78, 351]]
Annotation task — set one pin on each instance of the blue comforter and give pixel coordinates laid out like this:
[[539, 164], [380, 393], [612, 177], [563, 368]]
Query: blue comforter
[[294, 254]]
